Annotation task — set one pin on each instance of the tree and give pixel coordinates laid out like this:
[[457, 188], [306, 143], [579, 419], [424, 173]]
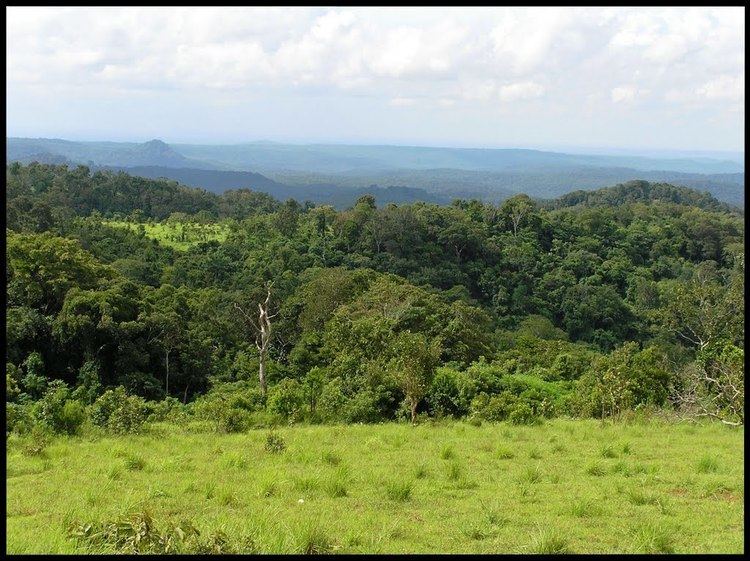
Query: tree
[[263, 334], [714, 386], [703, 310], [516, 209], [414, 365]]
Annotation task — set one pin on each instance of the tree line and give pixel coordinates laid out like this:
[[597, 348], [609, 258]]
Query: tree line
[[591, 305]]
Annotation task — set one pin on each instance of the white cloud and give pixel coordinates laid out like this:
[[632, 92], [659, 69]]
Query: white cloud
[[624, 94], [723, 87], [402, 101], [521, 90], [574, 58]]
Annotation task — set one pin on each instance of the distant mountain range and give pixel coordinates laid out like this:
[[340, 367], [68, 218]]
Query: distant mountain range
[[337, 174]]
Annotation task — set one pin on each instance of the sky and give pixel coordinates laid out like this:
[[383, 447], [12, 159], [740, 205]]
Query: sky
[[605, 78]]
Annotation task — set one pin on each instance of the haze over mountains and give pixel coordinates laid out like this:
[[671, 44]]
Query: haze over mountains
[[338, 174]]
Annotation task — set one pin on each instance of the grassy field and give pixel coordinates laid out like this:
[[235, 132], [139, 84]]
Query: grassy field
[[564, 486], [177, 235]]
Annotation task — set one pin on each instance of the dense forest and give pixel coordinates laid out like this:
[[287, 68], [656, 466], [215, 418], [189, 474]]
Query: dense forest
[[594, 304]]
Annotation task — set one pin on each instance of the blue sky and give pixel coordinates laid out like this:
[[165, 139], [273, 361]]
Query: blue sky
[[644, 79]]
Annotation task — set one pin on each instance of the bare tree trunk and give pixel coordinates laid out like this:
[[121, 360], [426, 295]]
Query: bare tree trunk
[[263, 335], [262, 372], [414, 404], [166, 391], [263, 339]]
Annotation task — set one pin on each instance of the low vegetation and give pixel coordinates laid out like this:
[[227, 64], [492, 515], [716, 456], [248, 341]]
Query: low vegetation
[[381, 489]]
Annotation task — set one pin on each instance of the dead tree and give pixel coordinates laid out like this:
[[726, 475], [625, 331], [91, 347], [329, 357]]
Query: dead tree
[[716, 391], [262, 327]]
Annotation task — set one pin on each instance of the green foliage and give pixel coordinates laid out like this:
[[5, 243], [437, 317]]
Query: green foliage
[[522, 414], [118, 412], [58, 411], [286, 399], [596, 304], [275, 443]]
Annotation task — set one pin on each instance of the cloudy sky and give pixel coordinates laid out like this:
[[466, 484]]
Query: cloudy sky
[[642, 78]]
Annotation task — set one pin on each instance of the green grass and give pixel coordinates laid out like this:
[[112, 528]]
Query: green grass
[[394, 488], [177, 235]]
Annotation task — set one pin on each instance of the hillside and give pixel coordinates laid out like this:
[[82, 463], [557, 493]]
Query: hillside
[[639, 192], [313, 172], [151, 153]]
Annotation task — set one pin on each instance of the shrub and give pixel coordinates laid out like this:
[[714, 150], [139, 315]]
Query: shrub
[[140, 534], [72, 416], [494, 408], [232, 420], [275, 443], [332, 401], [363, 407], [88, 385], [522, 414], [443, 396], [37, 442], [168, 409], [18, 418], [118, 412], [58, 411], [286, 399]]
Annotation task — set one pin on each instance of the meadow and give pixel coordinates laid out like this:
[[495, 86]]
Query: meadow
[[177, 235], [563, 486]]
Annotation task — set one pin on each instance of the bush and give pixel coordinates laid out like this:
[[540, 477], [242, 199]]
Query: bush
[[118, 412], [522, 414], [169, 409], [494, 408], [275, 443], [363, 408], [233, 420], [88, 386], [56, 409], [17, 418], [72, 416], [286, 399], [443, 396], [332, 402], [229, 406]]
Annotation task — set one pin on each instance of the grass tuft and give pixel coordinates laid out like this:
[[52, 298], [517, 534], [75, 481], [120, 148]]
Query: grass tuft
[[448, 452], [652, 538], [135, 463], [708, 464], [550, 542], [596, 469], [399, 491]]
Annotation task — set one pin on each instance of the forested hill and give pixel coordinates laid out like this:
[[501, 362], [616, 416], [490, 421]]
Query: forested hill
[[640, 191], [338, 174], [43, 187], [338, 196]]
